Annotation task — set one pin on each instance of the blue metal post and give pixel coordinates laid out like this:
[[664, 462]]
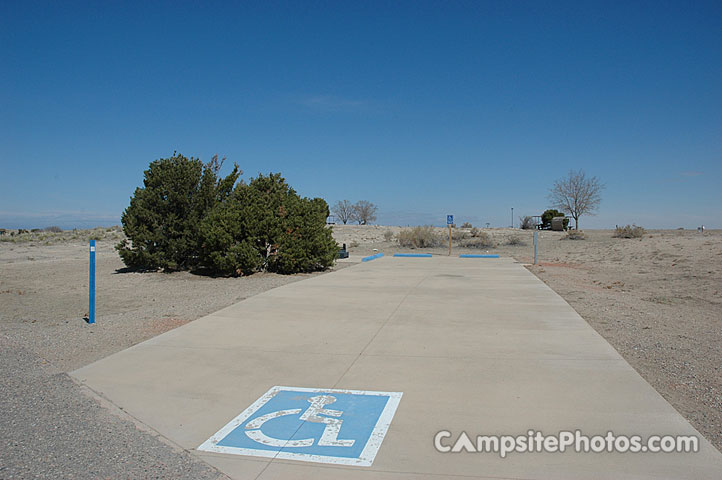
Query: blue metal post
[[91, 284]]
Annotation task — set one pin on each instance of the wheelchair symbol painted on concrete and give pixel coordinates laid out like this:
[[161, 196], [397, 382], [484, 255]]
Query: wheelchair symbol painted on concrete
[[296, 423], [329, 437]]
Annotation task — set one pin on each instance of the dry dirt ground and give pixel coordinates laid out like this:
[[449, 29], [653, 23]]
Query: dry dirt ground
[[49, 427], [657, 300]]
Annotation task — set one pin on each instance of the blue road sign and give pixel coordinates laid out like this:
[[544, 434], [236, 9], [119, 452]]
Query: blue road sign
[[315, 425], [449, 219]]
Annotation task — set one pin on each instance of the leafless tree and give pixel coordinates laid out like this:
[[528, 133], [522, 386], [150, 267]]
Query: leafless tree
[[364, 212], [576, 194], [526, 223], [343, 211]]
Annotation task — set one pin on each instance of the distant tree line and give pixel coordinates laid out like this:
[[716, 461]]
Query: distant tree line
[[185, 216], [363, 212]]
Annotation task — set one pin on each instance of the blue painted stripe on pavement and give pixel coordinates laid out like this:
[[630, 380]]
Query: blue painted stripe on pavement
[[472, 255], [372, 257]]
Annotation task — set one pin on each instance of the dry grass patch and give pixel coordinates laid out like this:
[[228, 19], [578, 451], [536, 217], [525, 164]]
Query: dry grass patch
[[574, 235], [420, 237], [629, 231], [480, 240], [515, 240]]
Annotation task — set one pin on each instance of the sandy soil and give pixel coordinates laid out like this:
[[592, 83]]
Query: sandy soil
[[657, 300], [50, 428], [44, 295]]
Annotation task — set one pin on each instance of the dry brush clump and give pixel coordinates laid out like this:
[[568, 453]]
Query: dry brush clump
[[420, 237], [388, 235], [480, 240], [527, 223], [574, 235], [458, 235], [629, 231], [515, 240]]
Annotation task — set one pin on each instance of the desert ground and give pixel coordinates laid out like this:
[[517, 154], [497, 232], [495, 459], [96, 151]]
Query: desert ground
[[50, 428], [657, 300]]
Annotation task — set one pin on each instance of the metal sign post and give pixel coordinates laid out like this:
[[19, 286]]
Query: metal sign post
[[449, 222], [91, 284], [536, 245]]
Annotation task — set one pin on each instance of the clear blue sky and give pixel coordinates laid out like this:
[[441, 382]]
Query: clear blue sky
[[424, 108]]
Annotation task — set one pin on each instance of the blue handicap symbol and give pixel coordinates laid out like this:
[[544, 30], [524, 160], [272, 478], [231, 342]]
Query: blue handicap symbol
[[331, 426]]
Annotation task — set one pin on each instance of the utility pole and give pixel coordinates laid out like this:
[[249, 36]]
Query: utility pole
[[512, 217]]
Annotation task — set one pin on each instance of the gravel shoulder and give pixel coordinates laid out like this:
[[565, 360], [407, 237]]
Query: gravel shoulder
[[51, 430]]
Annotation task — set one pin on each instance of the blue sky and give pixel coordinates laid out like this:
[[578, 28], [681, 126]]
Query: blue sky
[[424, 108]]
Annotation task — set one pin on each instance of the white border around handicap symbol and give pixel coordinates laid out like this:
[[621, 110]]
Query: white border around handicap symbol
[[365, 459]]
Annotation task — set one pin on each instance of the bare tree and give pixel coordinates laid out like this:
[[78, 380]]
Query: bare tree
[[576, 194], [343, 211], [527, 223], [364, 212]]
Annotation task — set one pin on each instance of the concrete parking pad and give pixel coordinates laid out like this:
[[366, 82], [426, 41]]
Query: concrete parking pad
[[474, 345]]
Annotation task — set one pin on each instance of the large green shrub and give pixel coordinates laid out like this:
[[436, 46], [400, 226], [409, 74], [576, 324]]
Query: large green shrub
[[225, 241], [163, 219], [266, 225]]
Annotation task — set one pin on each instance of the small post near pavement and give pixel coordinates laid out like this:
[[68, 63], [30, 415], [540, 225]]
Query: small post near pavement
[[536, 245], [91, 284], [449, 222]]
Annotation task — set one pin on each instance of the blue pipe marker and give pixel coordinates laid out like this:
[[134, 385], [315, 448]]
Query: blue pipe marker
[[412, 254], [91, 284], [372, 257], [473, 255]]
